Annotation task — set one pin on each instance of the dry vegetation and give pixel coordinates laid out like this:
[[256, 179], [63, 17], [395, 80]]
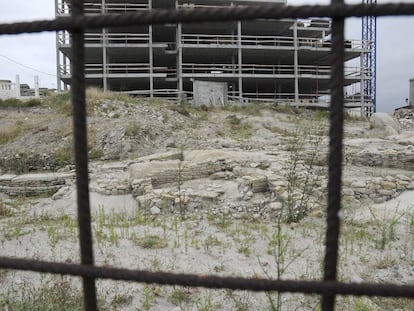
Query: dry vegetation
[[376, 245]]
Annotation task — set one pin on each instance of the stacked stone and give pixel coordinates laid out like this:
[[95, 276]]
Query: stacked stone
[[378, 189], [33, 184], [141, 186], [26, 162], [113, 185], [186, 170], [174, 202], [255, 183], [393, 158]]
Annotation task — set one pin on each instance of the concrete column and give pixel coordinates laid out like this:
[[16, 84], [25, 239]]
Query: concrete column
[[58, 76], [179, 62], [240, 60], [179, 58], [151, 62], [17, 86], [362, 85], [65, 85], [104, 60], [36, 86], [65, 71], [296, 61], [151, 57], [104, 52]]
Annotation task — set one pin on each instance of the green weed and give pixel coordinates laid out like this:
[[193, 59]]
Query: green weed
[[179, 296], [151, 241], [57, 294]]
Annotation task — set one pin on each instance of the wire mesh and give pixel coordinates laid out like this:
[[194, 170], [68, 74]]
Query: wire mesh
[[329, 287]]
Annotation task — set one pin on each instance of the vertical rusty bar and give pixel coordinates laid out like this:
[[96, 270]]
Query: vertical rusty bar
[[335, 156], [81, 155]]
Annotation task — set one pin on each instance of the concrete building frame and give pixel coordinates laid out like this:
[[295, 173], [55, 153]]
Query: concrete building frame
[[285, 61]]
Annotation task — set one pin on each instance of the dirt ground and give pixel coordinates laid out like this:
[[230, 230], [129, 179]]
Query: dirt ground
[[376, 244]]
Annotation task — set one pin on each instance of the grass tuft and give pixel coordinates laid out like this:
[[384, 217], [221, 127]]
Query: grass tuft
[[58, 295], [17, 103], [151, 241]]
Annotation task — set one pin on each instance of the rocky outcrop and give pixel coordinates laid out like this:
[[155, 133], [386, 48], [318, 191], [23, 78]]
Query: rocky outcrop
[[385, 122], [405, 116]]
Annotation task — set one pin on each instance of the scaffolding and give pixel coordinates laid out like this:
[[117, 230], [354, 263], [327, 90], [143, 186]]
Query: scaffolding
[[369, 35]]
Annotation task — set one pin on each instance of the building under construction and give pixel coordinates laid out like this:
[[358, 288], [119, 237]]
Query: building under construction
[[283, 61]]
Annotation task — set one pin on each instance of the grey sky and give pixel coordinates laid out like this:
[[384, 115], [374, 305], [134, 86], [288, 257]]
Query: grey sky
[[395, 49]]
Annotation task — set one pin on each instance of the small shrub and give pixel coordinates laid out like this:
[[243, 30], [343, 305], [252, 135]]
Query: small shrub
[[65, 153], [19, 128], [233, 120], [94, 98], [220, 133], [202, 116], [300, 190], [179, 296], [17, 103], [12, 102], [321, 114], [151, 241], [9, 134], [181, 109], [280, 107], [59, 295], [204, 108], [239, 128], [95, 154], [253, 109], [61, 102], [133, 129], [171, 145], [245, 250], [5, 211], [121, 299], [32, 102]]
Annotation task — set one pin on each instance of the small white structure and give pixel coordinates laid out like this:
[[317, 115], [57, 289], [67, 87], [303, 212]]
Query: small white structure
[[7, 89], [209, 93]]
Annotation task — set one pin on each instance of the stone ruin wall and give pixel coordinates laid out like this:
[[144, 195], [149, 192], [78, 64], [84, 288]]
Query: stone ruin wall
[[33, 184], [156, 186]]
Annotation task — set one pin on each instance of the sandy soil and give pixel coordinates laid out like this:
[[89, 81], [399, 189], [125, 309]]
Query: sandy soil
[[376, 245], [377, 240]]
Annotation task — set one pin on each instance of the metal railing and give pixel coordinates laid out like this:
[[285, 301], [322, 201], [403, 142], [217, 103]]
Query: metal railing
[[119, 69], [264, 41], [203, 40], [90, 8], [107, 39], [271, 70], [329, 287]]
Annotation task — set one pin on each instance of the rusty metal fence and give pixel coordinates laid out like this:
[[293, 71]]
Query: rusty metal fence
[[329, 287]]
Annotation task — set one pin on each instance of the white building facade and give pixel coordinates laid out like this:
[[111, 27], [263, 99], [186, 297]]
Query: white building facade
[[8, 90]]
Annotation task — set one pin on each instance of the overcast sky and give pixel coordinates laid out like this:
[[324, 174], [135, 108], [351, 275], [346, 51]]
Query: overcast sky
[[30, 55]]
